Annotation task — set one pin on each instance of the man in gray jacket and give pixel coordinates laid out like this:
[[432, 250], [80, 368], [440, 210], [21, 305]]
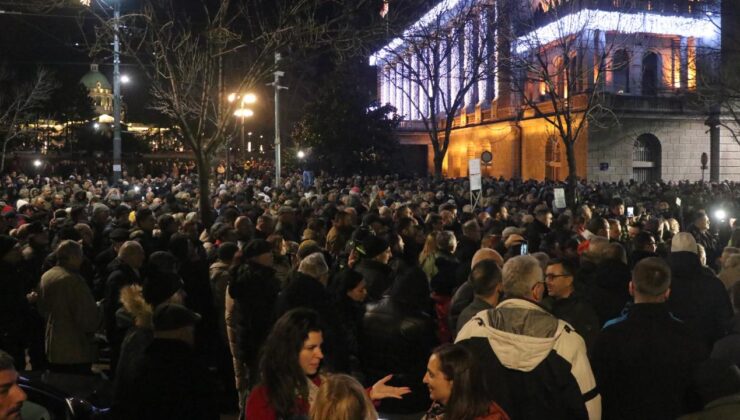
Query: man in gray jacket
[[70, 311]]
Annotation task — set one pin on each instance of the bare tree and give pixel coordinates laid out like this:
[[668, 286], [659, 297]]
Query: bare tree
[[559, 66], [186, 62], [19, 102], [436, 67]]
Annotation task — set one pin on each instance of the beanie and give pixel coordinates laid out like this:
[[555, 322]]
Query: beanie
[[373, 246]]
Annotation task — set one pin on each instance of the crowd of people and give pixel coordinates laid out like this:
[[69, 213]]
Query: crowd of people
[[374, 297]]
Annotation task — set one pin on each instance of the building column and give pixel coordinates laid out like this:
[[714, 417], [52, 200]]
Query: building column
[[414, 79], [455, 66], [487, 31], [472, 58], [399, 89], [408, 88], [388, 86], [445, 77], [424, 83], [636, 70]]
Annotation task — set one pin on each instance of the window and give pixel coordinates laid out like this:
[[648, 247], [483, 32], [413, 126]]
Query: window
[[621, 71], [646, 158], [650, 74]]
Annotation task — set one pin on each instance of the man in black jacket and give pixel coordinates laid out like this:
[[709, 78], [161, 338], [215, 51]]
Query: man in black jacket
[[375, 253], [698, 297], [643, 360], [170, 381], [14, 308]]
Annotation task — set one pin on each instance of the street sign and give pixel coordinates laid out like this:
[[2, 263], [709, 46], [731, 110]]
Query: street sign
[[559, 202], [474, 173]]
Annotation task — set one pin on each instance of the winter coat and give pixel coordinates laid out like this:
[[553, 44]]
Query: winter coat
[[255, 292], [470, 311], [728, 348], [537, 364], [121, 275], [495, 412], [698, 298], [577, 312], [465, 250], [643, 362], [397, 338], [606, 286], [139, 336], [172, 383], [463, 297], [72, 317], [536, 232], [220, 278], [258, 405], [378, 277], [14, 310]]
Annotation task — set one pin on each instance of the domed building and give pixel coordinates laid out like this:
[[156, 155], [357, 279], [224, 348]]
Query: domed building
[[100, 90]]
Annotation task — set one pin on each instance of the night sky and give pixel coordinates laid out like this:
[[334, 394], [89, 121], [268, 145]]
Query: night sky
[[60, 40]]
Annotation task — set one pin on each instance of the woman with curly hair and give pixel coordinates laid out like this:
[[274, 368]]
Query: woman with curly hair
[[290, 370]]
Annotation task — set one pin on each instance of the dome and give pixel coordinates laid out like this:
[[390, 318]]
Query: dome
[[95, 77]]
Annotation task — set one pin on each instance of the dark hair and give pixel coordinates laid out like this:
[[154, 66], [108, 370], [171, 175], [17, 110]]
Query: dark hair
[[142, 214], [180, 246], [280, 371], [651, 276], [595, 224], [569, 266], [227, 250], [346, 280], [468, 399], [485, 276], [643, 239], [411, 288], [616, 201]]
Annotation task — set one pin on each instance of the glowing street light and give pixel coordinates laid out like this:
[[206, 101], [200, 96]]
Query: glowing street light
[[243, 113], [125, 79], [37, 163], [96, 126], [301, 154]]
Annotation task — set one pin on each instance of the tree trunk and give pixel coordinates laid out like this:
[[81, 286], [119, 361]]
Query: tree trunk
[[570, 190], [204, 177], [2, 157], [438, 159]]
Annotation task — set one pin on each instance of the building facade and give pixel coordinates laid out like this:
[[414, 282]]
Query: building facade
[[629, 72]]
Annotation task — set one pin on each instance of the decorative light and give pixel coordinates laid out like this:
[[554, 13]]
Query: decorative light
[[626, 23], [434, 14]]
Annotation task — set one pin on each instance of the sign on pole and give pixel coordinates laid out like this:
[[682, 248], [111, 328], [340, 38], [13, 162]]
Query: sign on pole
[[474, 173], [559, 202]]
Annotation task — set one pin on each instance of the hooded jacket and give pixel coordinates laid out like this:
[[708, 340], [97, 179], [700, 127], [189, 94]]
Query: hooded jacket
[[541, 358]]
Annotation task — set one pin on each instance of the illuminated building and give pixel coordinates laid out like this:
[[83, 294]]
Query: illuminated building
[[645, 58]]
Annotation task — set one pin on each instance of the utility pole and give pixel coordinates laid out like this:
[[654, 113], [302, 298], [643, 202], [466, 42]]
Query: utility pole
[[116, 93], [276, 84]]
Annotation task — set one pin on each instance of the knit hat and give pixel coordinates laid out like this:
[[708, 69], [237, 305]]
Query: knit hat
[[256, 247], [683, 242], [171, 316], [100, 208], [6, 244], [160, 287], [373, 246]]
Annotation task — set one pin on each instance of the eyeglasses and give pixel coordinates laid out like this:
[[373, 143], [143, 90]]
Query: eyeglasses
[[554, 276]]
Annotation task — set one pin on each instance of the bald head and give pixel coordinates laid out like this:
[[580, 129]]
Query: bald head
[[484, 254], [132, 254]]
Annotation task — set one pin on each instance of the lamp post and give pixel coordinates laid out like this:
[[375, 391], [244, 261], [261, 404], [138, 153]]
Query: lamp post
[[276, 84], [242, 112], [116, 92]]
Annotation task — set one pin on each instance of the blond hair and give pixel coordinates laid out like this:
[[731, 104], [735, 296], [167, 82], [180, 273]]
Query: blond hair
[[341, 397]]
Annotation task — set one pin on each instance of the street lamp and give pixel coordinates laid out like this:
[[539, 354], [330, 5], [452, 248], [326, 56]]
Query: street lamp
[[37, 163], [301, 154], [242, 112], [116, 87], [125, 79]]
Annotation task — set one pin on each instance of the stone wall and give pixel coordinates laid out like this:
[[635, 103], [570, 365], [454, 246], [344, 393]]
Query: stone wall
[[682, 139]]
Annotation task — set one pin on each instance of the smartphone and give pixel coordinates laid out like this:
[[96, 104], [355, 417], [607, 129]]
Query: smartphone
[[630, 211], [524, 249]]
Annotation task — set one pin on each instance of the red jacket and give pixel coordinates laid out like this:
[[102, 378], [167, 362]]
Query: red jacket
[[259, 407]]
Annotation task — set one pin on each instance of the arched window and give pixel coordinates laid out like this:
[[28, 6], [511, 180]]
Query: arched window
[[650, 74], [646, 158], [552, 159], [621, 70]]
